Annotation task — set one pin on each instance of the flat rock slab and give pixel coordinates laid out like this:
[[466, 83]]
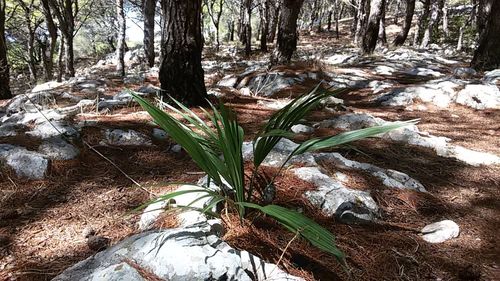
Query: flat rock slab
[[181, 254], [25, 163], [440, 232], [58, 149], [120, 137]]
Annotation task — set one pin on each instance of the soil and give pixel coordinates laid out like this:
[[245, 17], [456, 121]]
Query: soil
[[42, 223]]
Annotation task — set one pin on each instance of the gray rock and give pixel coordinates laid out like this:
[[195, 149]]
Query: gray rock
[[269, 84], [148, 90], [48, 86], [279, 154], [10, 129], [422, 71], [228, 81], [464, 72], [302, 129], [479, 96], [187, 254], [111, 104], [58, 149], [389, 178], [25, 163], [274, 104], [160, 134], [413, 136], [119, 137], [52, 129], [340, 59], [440, 232], [119, 272], [492, 77], [176, 148], [335, 199]]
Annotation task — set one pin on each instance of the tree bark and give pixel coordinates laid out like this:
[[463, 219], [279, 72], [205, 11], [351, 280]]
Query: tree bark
[[248, 27], [50, 51], [360, 19], [287, 32], [410, 10], [148, 12], [120, 50], [4, 65], [431, 24], [66, 17], [487, 55], [60, 60], [423, 21], [181, 74], [371, 30], [264, 24], [275, 20]]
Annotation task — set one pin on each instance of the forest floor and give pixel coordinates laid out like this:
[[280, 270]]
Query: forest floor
[[42, 222]]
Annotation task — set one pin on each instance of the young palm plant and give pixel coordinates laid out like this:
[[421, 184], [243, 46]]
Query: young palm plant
[[217, 149]]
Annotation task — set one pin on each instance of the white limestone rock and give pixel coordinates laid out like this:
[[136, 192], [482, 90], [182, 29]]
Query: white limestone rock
[[118, 137], [25, 163], [440, 232], [479, 96], [58, 149]]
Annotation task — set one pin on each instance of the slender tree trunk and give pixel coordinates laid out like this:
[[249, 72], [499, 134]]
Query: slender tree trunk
[[382, 36], [50, 51], [360, 19], [446, 31], [181, 74], [423, 21], [60, 60], [330, 16], [31, 54], [426, 40], [275, 21], [148, 12], [487, 55], [120, 50], [264, 24], [372, 26], [248, 27], [483, 10], [4, 65], [69, 56], [401, 37], [287, 32]]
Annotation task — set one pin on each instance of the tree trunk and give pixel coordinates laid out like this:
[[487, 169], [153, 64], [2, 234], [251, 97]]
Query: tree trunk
[[248, 27], [372, 26], [60, 60], [50, 51], [287, 32], [401, 37], [430, 24], [446, 31], [148, 12], [382, 36], [264, 25], [181, 74], [330, 16], [4, 65], [274, 23], [120, 50], [360, 19], [483, 10], [487, 55], [69, 57], [423, 21]]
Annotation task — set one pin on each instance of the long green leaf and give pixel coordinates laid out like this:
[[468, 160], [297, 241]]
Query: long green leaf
[[307, 228]]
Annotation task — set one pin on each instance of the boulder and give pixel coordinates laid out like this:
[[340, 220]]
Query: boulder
[[334, 199], [302, 129], [182, 254], [464, 72], [25, 163], [440, 232], [47, 130], [118, 137], [479, 96], [58, 149]]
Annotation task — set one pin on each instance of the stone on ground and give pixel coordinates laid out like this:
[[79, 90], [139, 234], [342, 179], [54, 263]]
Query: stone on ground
[[440, 232], [58, 149], [118, 137], [26, 164]]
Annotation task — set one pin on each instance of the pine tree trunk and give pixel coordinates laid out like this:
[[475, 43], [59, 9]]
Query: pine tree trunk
[[148, 12], [120, 50], [264, 25], [382, 36], [60, 60], [360, 19], [181, 74], [287, 32], [248, 27], [370, 36], [423, 21], [4, 65], [50, 51], [410, 10], [446, 30], [487, 55], [274, 23], [432, 23]]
